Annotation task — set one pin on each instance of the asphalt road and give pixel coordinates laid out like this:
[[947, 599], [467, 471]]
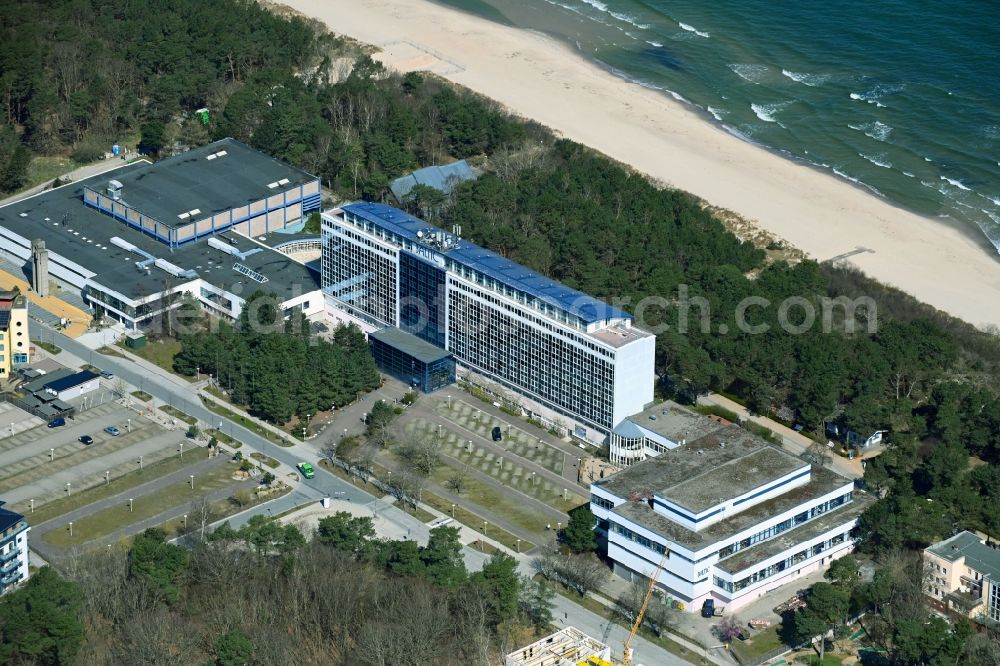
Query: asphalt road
[[179, 393]]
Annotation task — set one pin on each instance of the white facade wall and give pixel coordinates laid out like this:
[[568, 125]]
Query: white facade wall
[[15, 567], [690, 574], [634, 378], [80, 389]]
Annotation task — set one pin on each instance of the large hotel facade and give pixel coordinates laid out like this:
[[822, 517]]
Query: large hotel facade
[[568, 354]]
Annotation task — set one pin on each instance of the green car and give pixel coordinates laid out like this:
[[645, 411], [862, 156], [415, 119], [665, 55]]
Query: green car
[[307, 470]]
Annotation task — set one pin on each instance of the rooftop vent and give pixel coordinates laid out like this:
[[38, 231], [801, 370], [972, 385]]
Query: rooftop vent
[[283, 181], [273, 185], [115, 189]]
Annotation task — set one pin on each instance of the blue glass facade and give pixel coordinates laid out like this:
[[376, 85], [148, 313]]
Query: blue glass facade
[[428, 376], [422, 299]]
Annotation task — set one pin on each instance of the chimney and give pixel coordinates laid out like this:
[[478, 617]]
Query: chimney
[[39, 267]]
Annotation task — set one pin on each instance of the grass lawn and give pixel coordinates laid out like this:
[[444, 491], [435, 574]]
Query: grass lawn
[[474, 521], [483, 547], [142, 395], [267, 460], [221, 509], [760, 643], [160, 353], [178, 414], [108, 520], [224, 439], [597, 607], [58, 507], [504, 468], [110, 351], [47, 346], [44, 168], [249, 424]]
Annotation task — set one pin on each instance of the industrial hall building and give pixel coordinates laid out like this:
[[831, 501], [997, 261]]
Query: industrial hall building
[[568, 357], [132, 240]]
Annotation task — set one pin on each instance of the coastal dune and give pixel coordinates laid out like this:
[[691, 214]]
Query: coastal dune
[[540, 78]]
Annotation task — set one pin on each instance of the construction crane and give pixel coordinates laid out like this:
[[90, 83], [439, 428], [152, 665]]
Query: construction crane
[[627, 656]]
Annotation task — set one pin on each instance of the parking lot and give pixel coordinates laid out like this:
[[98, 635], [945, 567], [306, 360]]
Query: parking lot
[[37, 463]]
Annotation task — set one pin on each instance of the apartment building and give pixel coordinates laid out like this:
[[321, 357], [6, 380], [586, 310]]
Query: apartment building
[[13, 549], [963, 577], [15, 342]]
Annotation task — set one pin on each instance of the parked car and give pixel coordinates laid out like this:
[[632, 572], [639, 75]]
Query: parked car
[[497, 435], [107, 375], [86, 439], [113, 431], [708, 608], [307, 470], [56, 422]]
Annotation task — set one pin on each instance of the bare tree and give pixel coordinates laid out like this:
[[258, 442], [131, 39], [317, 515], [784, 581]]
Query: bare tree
[[202, 514], [457, 481], [583, 573], [817, 454]]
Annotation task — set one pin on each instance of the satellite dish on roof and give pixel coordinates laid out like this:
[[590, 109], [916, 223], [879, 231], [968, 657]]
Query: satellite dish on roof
[[420, 234]]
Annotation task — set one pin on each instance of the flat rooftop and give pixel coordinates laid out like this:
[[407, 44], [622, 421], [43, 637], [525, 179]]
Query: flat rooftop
[[732, 479], [236, 176], [744, 559], [586, 308], [716, 467], [410, 344], [984, 559], [822, 481], [672, 421], [82, 234]]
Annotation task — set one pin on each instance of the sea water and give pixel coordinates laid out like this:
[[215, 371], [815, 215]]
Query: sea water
[[901, 97]]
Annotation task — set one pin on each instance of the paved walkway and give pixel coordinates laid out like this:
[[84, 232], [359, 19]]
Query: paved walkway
[[80, 173], [792, 441]]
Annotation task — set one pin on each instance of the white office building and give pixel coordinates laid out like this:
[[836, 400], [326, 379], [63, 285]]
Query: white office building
[[13, 550], [736, 516], [567, 354]]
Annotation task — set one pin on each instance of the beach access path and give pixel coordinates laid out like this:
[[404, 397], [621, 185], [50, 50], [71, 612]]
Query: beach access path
[[539, 78]]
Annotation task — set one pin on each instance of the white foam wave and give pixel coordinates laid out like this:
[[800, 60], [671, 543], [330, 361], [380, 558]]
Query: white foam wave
[[957, 183], [691, 28], [717, 113], [766, 112], [876, 130], [877, 160], [656, 44], [811, 80], [631, 20], [908, 174], [596, 4], [995, 200], [747, 72], [844, 175]]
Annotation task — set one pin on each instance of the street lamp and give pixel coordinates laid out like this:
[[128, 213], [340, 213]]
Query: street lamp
[[130, 505], [449, 402], [32, 502], [470, 446], [185, 521], [69, 490], [532, 479], [71, 528], [107, 476], [519, 546], [500, 462], [345, 433], [192, 481], [452, 510], [140, 462], [484, 527], [52, 454], [182, 449], [197, 371], [129, 425]]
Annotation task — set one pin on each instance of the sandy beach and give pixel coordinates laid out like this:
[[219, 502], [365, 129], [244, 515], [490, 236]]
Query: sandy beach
[[540, 78]]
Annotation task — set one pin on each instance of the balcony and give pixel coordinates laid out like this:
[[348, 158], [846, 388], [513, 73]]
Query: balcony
[[10, 567], [10, 555]]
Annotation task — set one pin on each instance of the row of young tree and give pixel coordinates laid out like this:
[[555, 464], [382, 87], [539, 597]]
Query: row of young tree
[[262, 594], [275, 366]]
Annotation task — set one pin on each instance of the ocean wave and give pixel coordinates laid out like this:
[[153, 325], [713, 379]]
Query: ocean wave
[[856, 181], [995, 200], [751, 73], [656, 44], [766, 112], [691, 28], [717, 113], [596, 4], [631, 20], [879, 91], [876, 130], [957, 183], [908, 174], [811, 80], [877, 160]]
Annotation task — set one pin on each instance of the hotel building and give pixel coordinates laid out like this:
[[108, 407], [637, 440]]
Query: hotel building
[[736, 517], [569, 355], [963, 577], [13, 549]]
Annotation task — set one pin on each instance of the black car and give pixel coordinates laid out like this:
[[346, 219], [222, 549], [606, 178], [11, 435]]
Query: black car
[[497, 435], [86, 439], [708, 608]]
